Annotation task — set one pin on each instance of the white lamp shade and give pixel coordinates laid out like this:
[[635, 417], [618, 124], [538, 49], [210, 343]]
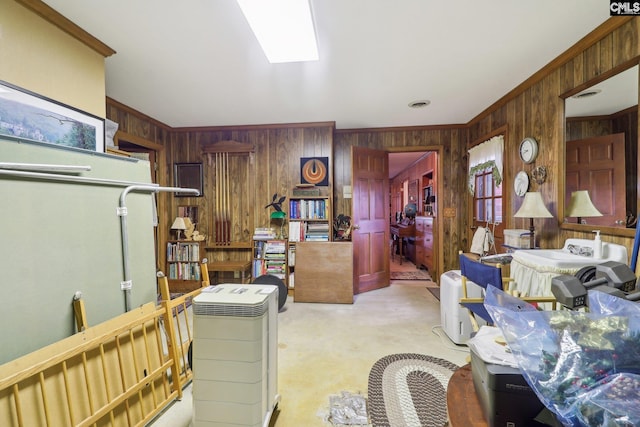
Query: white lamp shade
[[179, 224], [533, 207], [580, 205]]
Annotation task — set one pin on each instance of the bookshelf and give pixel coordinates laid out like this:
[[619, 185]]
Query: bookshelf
[[183, 265], [310, 219], [270, 257]]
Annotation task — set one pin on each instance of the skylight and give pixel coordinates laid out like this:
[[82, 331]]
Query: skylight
[[284, 29]]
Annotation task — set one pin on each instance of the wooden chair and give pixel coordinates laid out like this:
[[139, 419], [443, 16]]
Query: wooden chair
[[483, 275], [204, 273]]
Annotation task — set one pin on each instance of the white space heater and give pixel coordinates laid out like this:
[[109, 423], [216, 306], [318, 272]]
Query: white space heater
[[454, 317], [235, 341]]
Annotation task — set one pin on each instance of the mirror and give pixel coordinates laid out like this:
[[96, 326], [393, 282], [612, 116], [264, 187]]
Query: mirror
[[601, 124]]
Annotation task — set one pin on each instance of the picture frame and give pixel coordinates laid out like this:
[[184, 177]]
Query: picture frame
[[413, 191], [190, 212], [314, 171], [28, 115], [188, 175]]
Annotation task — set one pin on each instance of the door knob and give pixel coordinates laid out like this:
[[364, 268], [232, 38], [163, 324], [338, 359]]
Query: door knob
[[356, 227]]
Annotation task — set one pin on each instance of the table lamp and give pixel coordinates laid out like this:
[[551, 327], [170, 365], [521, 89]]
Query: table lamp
[[533, 207], [580, 206], [179, 224]]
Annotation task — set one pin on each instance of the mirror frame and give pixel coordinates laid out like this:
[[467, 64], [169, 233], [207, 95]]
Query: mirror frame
[[587, 228]]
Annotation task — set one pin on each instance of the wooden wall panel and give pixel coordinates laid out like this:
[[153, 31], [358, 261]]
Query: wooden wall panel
[[273, 167], [538, 111], [447, 140], [534, 108]]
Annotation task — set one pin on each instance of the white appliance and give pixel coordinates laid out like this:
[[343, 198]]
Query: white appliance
[[235, 342], [454, 318]]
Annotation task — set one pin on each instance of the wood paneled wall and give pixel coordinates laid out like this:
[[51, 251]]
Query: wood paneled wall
[[450, 143], [534, 108], [273, 167]]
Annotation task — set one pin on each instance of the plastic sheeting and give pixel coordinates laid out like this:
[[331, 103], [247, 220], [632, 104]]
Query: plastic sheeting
[[347, 409]]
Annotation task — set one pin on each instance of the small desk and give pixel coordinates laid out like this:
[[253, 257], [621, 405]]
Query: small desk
[[400, 231], [462, 402]]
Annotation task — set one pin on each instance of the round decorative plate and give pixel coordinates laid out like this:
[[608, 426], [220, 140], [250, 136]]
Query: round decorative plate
[[521, 183]]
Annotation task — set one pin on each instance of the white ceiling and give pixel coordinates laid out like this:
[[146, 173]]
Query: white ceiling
[[196, 62]]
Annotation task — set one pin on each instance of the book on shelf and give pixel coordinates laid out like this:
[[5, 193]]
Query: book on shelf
[[295, 231], [292, 256], [264, 233], [184, 271], [274, 246], [317, 232], [308, 209], [183, 251], [292, 280], [317, 226]]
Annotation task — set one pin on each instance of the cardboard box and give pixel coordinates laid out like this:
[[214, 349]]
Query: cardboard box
[[516, 238]]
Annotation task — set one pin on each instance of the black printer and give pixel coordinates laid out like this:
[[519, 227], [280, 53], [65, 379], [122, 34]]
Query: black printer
[[506, 398]]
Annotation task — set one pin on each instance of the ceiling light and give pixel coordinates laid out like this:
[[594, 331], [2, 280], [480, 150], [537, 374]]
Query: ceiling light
[[419, 104], [284, 29]]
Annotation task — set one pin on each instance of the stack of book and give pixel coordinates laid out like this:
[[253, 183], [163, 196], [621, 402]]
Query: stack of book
[[270, 258], [317, 232], [264, 233]]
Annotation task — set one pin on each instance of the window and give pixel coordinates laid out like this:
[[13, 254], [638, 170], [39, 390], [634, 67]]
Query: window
[[485, 183], [487, 199]]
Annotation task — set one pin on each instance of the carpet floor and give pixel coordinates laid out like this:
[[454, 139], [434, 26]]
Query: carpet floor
[[409, 390]]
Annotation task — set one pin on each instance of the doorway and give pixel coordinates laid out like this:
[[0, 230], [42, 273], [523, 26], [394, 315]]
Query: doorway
[[411, 188]]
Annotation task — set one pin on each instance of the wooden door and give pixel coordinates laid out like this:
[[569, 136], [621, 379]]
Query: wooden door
[[370, 217], [598, 165]]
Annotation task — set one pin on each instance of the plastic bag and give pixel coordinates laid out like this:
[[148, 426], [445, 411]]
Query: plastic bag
[[582, 366]]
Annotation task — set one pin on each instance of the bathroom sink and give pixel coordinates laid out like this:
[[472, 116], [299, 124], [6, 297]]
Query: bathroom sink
[[563, 259]]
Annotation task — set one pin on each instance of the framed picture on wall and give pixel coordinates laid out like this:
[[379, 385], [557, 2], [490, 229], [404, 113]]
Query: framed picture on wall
[[413, 191], [188, 175], [24, 114], [190, 212]]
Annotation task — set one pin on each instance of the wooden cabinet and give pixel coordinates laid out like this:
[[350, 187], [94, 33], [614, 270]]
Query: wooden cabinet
[[425, 243], [270, 257], [324, 272], [183, 265]]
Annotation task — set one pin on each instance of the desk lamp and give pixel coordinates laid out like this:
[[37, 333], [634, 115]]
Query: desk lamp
[[179, 224], [580, 206], [532, 207]]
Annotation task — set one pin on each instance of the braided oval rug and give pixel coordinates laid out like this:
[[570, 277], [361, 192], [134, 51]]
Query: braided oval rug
[[409, 390]]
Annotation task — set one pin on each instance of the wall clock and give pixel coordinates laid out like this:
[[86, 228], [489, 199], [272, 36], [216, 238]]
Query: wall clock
[[528, 150], [521, 183]]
